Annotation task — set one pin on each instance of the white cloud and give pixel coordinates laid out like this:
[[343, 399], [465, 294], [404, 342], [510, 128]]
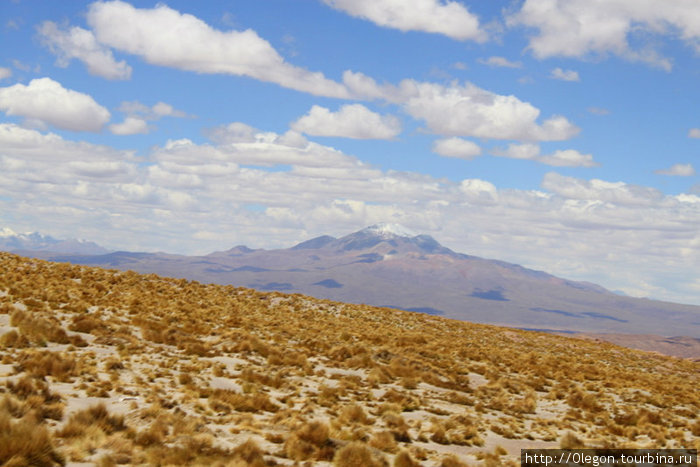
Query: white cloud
[[471, 111], [618, 193], [28, 156], [678, 170], [81, 44], [242, 144], [501, 62], [579, 28], [568, 158], [46, 101], [435, 16], [528, 151], [191, 197], [564, 75], [479, 192], [5, 73], [161, 109], [236, 132], [694, 133], [559, 158], [130, 126], [456, 147], [138, 115], [163, 36], [351, 121]]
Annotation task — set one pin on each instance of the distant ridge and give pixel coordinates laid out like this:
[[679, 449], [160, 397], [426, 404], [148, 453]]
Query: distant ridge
[[389, 265], [34, 241]]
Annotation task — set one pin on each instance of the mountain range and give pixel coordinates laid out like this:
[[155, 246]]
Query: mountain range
[[388, 265], [34, 241]]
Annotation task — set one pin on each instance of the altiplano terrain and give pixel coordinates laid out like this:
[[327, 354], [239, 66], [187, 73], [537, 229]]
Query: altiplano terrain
[[388, 265], [110, 367]]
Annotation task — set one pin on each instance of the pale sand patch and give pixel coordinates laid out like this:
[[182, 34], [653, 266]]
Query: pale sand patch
[[218, 382], [513, 446], [6, 369], [230, 362]]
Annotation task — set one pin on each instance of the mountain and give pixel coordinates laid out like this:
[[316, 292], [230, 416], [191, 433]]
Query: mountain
[[36, 242], [387, 265]]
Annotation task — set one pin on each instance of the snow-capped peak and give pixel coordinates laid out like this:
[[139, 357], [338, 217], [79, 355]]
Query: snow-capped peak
[[390, 230]]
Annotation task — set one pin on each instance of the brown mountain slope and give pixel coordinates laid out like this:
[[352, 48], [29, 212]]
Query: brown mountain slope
[[385, 267], [682, 347], [116, 367]]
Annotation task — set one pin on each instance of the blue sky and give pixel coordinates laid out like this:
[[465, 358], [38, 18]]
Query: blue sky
[[563, 136]]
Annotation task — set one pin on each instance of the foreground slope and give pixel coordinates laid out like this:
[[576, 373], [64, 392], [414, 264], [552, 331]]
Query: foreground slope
[[117, 367]]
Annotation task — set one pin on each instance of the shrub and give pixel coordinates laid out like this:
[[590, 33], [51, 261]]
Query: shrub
[[404, 459], [46, 363], [95, 416], [37, 329], [384, 441], [85, 323], [26, 442], [354, 413], [570, 441], [224, 400], [451, 460], [357, 454], [250, 453], [13, 339]]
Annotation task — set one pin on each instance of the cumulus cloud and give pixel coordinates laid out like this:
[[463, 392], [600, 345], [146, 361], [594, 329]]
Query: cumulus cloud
[[190, 197], [694, 133], [559, 158], [81, 44], [456, 147], [138, 115], [500, 62], [619, 193], [479, 192], [130, 126], [351, 121], [158, 110], [564, 75], [242, 144], [467, 110], [47, 101], [5, 73], [163, 36], [678, 170], [434, 16], [568, 158], [579, 28], [28, 155]]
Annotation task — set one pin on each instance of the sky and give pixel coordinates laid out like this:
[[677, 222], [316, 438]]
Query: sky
[[562, 135]]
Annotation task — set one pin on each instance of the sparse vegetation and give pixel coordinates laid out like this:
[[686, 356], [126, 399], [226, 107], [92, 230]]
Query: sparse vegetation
[[120, 368]]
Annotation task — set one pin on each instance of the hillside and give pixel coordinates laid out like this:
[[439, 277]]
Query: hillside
[[122, 368], [386, 265]]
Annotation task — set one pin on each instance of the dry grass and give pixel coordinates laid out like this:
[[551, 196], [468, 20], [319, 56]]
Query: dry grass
[[195, 374], [25, 442]]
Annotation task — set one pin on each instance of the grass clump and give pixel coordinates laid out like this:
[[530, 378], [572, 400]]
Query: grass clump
[[357, 454], [96, 416], [26, 442]]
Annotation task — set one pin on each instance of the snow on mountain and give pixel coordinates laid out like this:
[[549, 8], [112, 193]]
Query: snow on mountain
[[389, 230], [34, 241]]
